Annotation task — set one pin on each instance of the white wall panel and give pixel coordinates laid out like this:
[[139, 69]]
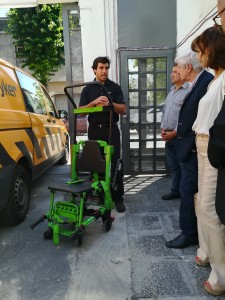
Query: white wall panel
[[190, 13], [93, 33]]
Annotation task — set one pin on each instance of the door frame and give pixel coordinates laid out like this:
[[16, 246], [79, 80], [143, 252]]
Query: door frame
[[123, 56]]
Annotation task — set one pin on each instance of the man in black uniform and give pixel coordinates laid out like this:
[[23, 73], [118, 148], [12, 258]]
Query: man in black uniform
[[95, 95]]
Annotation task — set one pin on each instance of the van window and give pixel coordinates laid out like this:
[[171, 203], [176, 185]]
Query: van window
[[33, 94], [49, 104]]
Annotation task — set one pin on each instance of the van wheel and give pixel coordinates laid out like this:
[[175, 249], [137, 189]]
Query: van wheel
[[19, 198], [65, 158]]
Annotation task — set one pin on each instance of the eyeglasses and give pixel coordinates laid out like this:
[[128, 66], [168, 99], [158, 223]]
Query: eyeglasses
[[217, 18]]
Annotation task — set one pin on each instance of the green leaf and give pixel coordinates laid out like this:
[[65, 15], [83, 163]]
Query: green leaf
[[38, 35]]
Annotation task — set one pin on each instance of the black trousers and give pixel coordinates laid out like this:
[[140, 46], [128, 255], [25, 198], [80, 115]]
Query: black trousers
[[102, 133], [220, 195]]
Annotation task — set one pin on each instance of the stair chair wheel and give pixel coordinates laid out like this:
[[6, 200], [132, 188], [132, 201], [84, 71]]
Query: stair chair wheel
[[79, 239], [107, 224], [48, 234]]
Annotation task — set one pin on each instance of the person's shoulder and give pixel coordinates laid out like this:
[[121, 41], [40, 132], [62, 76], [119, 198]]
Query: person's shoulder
[[208, 75], [86, 88], [204, 79], [110, 82], [90, 84], [186, 85]]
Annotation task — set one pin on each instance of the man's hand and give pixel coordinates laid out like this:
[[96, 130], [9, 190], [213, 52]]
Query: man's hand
[[100, 101], [162, 134], [168, 135]]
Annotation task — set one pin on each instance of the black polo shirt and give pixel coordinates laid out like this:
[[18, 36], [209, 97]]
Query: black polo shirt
[[92, 92]]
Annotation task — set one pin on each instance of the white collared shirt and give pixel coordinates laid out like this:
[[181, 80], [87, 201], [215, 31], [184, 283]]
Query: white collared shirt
[[210, 105]]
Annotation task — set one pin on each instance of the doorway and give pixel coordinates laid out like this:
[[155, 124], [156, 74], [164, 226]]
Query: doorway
[[145, 81]]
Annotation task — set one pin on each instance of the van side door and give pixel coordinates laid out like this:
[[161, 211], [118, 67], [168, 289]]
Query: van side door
[[57, 127], [44, 153]]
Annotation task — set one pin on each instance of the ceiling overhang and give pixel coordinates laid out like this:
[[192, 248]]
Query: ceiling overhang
[[30, 3]]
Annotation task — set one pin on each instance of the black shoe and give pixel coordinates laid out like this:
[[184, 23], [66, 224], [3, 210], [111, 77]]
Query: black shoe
[[170, 196], [181, 242], [120, 207]]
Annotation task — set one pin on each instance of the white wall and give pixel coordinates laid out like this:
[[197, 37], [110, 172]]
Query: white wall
[[3, 12], [7, 49], [99, 28], [189, 14], [98, 31]]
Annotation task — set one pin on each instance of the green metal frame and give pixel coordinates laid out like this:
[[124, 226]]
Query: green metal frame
[[72, 211]]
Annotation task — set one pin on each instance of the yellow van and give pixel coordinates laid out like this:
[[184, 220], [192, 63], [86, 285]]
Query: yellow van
[[32, 138]]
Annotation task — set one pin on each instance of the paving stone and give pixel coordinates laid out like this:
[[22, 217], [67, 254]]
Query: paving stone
[[138, 222], [150, 205], [150, 245], [158, 272], [158, 279]]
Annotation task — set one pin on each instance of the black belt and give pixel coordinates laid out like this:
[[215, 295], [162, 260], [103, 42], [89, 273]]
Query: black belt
[[103, 125], [168, 130]]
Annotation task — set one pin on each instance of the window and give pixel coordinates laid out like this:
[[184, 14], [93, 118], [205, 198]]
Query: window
[[33, 94], [49, 104], [3, 24]]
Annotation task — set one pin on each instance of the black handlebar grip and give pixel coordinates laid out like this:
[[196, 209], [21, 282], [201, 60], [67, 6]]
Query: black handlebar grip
[[41, 219]]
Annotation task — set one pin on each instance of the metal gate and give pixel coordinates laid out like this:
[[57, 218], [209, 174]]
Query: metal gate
[[145, 84]]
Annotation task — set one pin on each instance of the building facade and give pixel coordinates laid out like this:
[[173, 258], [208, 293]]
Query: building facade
[[141, 39]]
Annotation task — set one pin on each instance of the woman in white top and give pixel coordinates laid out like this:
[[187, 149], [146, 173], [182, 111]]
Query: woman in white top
[[210, 48]]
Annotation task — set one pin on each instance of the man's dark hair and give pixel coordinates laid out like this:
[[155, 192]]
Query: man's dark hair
[[100, 59]]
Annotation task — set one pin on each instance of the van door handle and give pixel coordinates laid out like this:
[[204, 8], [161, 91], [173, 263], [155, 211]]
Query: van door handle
[[49, 120]]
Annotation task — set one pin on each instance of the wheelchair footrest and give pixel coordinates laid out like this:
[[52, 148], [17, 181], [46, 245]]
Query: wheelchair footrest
[[66, 232]]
